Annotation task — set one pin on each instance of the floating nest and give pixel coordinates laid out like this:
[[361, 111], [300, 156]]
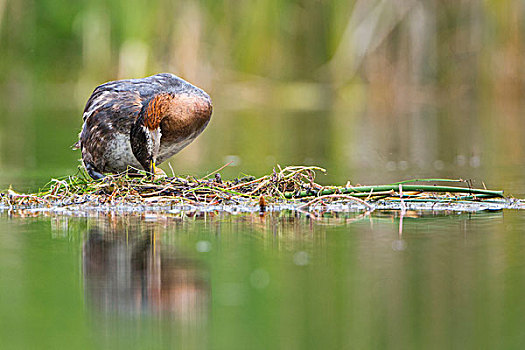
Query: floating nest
[[291, 187]]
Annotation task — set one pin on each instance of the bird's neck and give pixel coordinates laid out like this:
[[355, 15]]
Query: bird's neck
[[156, 109]]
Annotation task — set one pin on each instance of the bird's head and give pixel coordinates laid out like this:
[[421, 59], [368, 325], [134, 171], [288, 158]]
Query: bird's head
[[145, 133]]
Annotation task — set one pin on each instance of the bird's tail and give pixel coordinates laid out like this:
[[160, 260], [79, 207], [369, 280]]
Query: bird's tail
[[76, 145]]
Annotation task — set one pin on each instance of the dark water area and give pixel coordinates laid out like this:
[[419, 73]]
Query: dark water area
[[424, 280]]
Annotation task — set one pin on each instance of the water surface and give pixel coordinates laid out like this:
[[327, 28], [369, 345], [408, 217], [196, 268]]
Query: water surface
[[427, 280]]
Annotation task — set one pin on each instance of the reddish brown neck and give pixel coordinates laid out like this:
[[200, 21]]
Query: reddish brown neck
[[156, 110]]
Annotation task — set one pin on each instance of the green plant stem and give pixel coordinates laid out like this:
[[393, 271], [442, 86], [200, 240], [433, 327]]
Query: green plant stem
[[393, 187]]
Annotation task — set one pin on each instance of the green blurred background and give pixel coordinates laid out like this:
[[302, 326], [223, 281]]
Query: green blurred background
[[372, 90]]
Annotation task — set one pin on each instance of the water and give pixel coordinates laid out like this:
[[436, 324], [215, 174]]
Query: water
[[426, 280], [373, 93]]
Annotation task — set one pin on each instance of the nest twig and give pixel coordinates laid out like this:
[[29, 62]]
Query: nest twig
[[291, 184]]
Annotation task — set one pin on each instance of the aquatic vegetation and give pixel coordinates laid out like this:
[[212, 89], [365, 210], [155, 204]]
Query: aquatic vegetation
[[291, 187]]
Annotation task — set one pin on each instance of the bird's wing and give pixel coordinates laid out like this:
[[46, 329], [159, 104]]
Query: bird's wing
[[112, 107], [104, 133], [113, 96], [131, 93]]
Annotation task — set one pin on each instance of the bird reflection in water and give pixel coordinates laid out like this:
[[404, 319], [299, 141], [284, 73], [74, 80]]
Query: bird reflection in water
[[133, 274]]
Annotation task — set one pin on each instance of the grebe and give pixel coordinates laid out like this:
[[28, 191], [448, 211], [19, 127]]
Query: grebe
[[140, 123]]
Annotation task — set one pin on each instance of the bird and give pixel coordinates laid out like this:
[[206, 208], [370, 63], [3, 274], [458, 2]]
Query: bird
[[140, 123]]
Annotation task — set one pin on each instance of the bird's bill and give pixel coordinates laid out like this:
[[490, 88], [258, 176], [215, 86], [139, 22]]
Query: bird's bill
[[152, 167]]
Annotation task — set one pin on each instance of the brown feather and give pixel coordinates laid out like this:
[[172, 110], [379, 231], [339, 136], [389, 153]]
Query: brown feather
[[156, 110], [186, 116]]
